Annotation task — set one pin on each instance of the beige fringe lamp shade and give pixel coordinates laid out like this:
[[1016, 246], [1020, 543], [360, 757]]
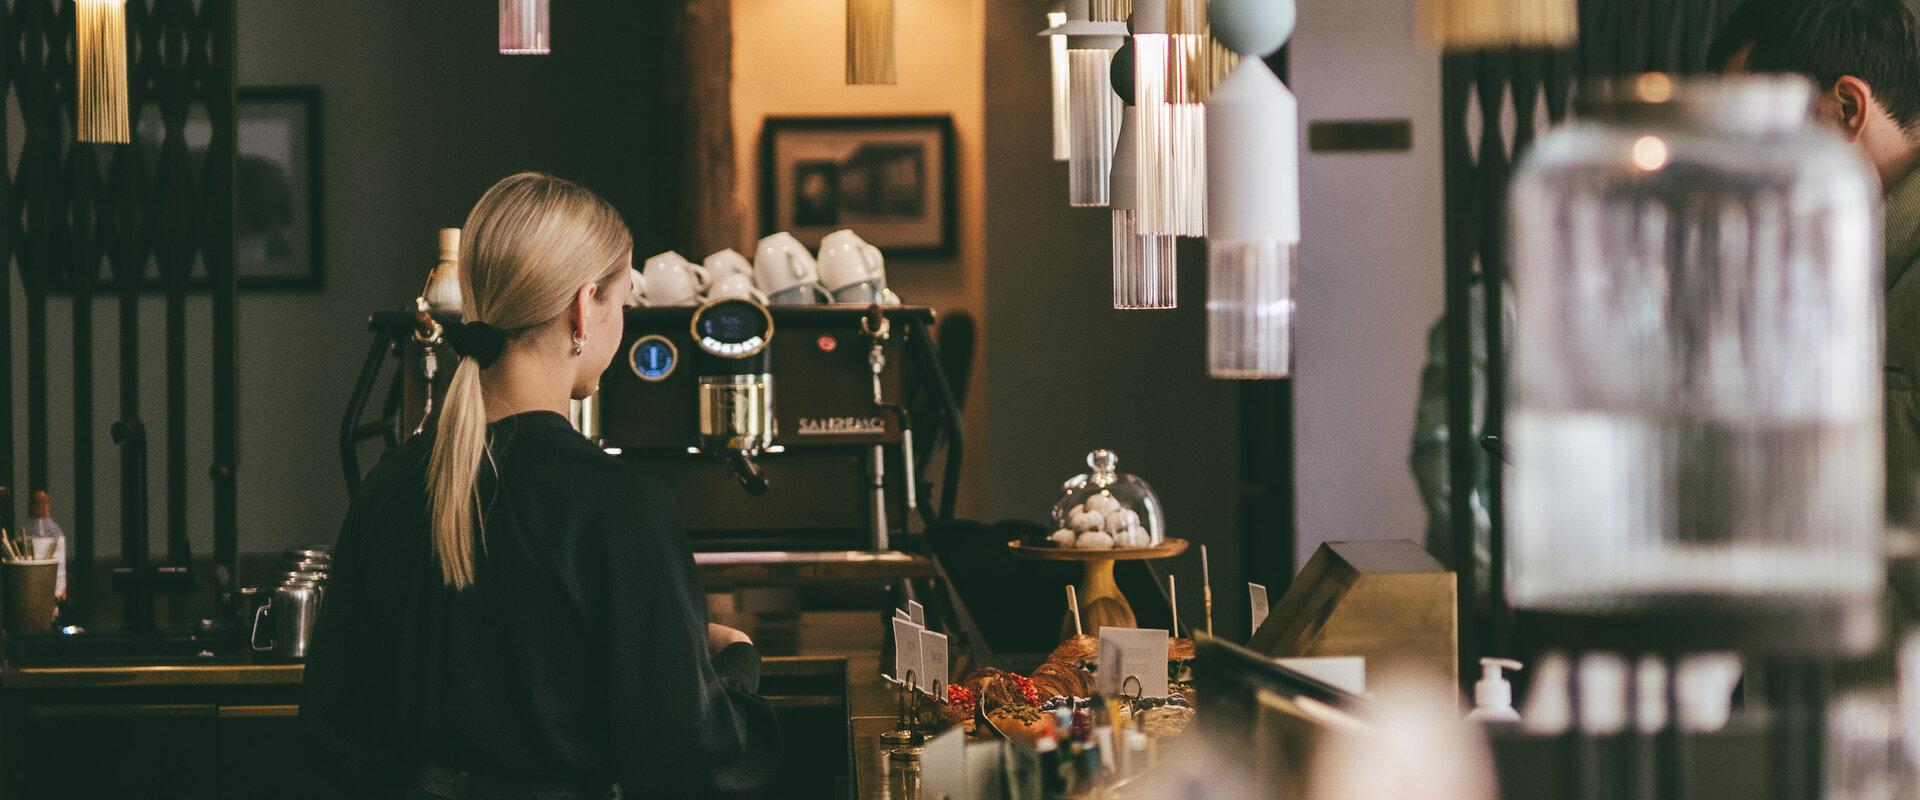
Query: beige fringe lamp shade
[[1491, 24], [1093, 110], [870, 43], [100, 72], [1057, 61], [523, 28], [1253, 199], [1169, 87], [1144, 275]]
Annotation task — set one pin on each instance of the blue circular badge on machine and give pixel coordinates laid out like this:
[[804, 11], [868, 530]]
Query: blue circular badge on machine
[[653, 357]]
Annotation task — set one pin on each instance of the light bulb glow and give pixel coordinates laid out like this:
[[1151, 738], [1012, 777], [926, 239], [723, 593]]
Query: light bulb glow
[[1649, 153]]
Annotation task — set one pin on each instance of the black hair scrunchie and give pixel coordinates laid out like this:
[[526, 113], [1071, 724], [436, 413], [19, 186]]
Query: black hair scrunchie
[[479, 341]]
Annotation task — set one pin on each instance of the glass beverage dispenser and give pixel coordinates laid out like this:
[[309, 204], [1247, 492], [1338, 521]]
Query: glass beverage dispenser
[[1696, 418]]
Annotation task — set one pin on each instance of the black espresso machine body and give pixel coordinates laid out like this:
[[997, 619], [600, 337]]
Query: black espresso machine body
[[835, 464]]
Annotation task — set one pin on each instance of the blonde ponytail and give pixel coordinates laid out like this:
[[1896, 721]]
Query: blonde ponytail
[[530, 243]]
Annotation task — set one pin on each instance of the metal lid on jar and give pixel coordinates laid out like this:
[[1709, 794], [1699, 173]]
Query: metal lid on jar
[[1750, 104]]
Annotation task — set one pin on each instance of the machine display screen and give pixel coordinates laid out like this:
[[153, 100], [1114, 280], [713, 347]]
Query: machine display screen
[[734, 328], [653, 358]]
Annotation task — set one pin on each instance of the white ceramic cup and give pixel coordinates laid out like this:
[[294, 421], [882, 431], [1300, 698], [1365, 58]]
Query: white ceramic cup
[[636, 288], [727, 262], [866, 293], [781, 265], [735, 285], [846, 260], [672, 280]]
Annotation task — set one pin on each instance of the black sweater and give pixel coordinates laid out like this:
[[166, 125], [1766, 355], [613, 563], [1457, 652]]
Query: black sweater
[[578, 655]]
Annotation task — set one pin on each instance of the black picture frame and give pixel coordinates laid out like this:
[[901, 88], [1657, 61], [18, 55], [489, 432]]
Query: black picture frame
[[301, 158], [808, 165]]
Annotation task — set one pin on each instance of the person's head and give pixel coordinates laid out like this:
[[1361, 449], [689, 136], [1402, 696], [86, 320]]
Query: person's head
[[1864, 55], [543, 265]]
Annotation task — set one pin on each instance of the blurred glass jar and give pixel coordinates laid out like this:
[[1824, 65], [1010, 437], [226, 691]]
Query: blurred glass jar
[[1697, 369], [1106, 508]]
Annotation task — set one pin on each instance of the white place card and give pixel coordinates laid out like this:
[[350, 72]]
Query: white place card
[[917, 613], [906, 651], [933, 661], [1132, 652], [943, 767], [1257, 594], [901, 613]]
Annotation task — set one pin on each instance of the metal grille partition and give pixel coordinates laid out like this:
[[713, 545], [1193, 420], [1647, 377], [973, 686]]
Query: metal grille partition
[[91, 222], [1494, 106]]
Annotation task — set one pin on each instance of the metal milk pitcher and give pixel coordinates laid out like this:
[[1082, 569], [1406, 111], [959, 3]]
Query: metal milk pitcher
[[295, 607]]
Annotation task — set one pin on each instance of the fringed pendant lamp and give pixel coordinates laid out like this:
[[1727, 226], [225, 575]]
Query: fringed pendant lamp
[[1253, 199], [1498, 24], [870, 43], [100, 72], [1057, 61], [1172, 75], [1093, 110], [523, 28], [1143, 264]]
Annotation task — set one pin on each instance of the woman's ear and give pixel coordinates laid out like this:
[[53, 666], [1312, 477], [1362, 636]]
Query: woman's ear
[[581, 309], [1854, 104]]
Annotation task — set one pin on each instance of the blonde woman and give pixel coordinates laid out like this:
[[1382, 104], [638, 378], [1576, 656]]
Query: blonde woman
[[514, 613]]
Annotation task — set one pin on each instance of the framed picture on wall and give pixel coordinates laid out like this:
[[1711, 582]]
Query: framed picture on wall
[[889, 179], [277, 233]]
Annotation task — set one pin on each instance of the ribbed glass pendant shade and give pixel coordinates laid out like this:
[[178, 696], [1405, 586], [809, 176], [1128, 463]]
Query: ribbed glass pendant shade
[[1172, 72], [523, 28], [1095, 114], [1490, 24], [100, 64], [1057, 60], [1254, 210], [870, 43], [1144, 275]]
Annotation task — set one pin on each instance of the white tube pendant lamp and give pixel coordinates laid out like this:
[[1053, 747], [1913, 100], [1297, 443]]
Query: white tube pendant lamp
[[1172, 132], [1144, 274], [870, 43], [1057, 63], [524, 29], [100, 72], [1499, 24], [1253, 199], [1093, 110]]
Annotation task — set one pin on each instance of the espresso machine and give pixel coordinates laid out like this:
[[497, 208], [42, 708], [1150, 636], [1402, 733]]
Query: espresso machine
[[786, 434]]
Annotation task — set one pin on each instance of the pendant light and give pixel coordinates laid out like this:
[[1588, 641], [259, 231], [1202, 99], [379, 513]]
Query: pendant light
[[1093, 110], [1171, 78], [1057, 62], [870, 43], [100, 72], [523, 28], [1143, 264], [1253, 199], [1499, 24]]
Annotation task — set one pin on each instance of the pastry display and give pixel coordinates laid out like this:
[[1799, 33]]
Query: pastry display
[[1164, 720], [1106, 509], [1061, 679]]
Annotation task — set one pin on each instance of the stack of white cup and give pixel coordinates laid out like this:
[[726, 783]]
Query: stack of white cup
[[782, 273]]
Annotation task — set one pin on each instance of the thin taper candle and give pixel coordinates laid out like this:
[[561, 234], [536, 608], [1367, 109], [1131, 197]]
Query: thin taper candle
[[1206, 589], [1173, 603]]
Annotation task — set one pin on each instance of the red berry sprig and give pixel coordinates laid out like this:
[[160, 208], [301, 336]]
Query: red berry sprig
[[1025, 685], [961, 696]]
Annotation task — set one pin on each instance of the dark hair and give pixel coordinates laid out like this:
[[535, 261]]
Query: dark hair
[[1876, 41]]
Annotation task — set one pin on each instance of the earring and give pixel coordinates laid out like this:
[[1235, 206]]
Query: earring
[[579, 343]]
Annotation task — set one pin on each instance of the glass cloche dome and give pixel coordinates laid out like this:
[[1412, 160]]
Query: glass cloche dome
[[1106, 508]]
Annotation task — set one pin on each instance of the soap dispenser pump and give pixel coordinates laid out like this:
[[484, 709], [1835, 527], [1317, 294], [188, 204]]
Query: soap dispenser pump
[[1492, 694]]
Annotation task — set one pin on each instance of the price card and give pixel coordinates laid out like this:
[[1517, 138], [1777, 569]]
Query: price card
[[943, 767], [1258, 596], [933, 661], [901, 613], [917, 613], [906, 651], [1132, 652]]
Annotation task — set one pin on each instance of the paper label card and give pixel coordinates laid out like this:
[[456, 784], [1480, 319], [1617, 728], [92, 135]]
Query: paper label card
[[906, 651], [933, 662], [917, 613], [1257, 594], [943, 767], [901, 613], [1132, 652]]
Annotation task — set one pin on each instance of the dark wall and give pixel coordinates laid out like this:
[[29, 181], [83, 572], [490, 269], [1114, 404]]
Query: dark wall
[[1066, 373]]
